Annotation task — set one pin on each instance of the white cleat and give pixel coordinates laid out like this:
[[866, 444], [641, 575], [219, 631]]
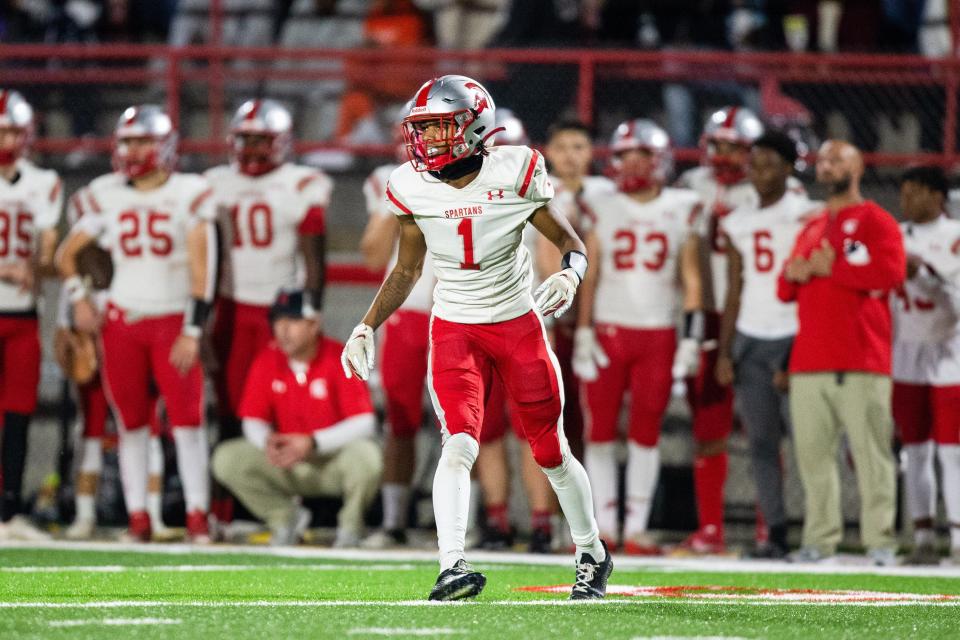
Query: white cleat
[[80, 530], [20, 528]]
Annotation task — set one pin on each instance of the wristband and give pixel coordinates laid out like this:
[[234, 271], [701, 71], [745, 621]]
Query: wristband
[[75, 288], [195, 317], [576, 261], [694, 325]]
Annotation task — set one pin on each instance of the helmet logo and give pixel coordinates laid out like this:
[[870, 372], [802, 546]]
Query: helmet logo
[[480, 98]]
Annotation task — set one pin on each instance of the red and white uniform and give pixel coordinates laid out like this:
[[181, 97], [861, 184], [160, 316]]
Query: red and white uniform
[[764, 237], [638, 300], [926, 347], [146, 232], [483, 314], [262, 219], [405, 345], [29, 205]]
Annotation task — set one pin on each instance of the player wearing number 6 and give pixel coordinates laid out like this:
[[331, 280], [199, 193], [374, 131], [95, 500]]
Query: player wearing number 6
[[643, 240], [467, 203], [271, 217], [757, 329], [158, 226]]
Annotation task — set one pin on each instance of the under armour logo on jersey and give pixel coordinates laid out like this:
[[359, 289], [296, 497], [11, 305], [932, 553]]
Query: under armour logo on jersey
[[495, 194]]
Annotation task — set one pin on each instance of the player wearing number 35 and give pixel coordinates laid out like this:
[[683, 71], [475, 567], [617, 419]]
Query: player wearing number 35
[[467, 203]]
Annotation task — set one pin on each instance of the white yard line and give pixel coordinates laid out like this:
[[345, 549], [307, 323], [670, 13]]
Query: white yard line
[[114, 622], [842, 565], [208, 568], [387, 631]]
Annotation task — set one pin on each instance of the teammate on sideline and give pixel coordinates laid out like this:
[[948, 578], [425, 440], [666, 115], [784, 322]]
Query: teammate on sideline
[[159, 227], [33, 200], [271, 213], [643, 242], [757, 329], [468, 206], [926, 369]]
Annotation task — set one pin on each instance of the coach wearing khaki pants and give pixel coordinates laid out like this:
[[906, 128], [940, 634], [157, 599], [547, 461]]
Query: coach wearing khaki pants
[[845, 262], [308, 431]]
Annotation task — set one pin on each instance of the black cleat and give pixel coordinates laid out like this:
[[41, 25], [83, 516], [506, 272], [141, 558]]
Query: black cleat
[[591, 582], [458, 582], [493, 539], [541, 541]]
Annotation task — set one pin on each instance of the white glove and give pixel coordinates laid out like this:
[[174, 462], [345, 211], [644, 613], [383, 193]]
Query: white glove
[[588, 355], [686, 361], [357, 355], [556, 293]]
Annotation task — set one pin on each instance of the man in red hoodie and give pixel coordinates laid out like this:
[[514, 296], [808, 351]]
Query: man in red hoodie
[[845, 262]]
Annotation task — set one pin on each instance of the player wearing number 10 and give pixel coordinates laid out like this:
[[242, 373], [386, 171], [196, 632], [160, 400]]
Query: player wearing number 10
[[467, 203], [158, 225]]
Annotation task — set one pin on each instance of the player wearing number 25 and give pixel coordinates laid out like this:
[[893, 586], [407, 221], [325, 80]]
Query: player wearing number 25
[[158, 225], [467, 203]]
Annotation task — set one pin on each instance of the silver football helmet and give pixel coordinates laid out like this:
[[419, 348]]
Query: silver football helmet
[[510, 129], [451, 119], [738, 127], [15, 113], [637, 174], [144, 121], [261, 136]]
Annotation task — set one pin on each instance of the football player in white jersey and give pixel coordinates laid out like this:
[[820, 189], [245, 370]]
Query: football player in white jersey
[[757, 329], [926, 359], [403, 356], [643, 243], [31, 199], [723, 186], [467, 205], [271, 214], [158, 225]]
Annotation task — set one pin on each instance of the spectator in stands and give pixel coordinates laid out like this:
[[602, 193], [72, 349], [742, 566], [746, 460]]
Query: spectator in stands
[[465, 24], [843, 264], [308, 431]]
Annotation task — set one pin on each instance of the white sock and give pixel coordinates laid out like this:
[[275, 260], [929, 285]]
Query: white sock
[[193, 461], [569, 481], [132, 451], [643, 469], [92, 456], [395, 503], [949, 456], [451, 496], [155, 479], [920, 483], [86, 508], [601, 465]]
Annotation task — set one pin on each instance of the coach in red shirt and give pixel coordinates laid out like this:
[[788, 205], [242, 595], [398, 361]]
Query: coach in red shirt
[[845, 262], [308, 430]]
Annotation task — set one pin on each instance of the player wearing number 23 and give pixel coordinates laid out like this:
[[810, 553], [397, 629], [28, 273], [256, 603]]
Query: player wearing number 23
[[467, 202]]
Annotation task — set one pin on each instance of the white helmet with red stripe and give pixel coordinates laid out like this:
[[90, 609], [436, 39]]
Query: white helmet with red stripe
[[734, 129], [261, 136], [139, 122], [16, 114], [510, 129], [640, 172], [462, 110]]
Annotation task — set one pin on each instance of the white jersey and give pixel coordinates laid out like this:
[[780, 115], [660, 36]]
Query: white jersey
[[262, 219], [474, 234], [640, 245], [926, 347], [146, 234], [764, 238], [29, 205], [719, 201], [374, 192]]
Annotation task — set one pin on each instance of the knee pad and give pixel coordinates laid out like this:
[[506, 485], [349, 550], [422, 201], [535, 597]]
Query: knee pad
[[460, 450], [551, 450]]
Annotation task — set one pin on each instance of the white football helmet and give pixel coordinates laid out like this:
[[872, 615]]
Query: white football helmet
[[644, 135], [144, 121], [510, 129], [15, 113], [738, 126], [461, 109], [260, 118]]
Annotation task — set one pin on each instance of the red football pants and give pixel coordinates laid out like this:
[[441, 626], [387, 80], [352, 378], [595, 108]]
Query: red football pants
[[924, 412], [463, 361], [240, 332], [641, 361], [710, 403], [136, 354], [19, 364], [403, 367]]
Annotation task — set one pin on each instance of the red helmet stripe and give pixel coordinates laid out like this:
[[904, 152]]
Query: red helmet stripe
[[133, 116], [421, 99], [630, 128], [731, 117], [253, 111]]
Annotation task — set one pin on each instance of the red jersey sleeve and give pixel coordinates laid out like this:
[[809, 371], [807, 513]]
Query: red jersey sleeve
[[880, 264], [257, 399]]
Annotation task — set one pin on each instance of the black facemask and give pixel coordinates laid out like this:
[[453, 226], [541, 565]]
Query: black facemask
[[459, 168]]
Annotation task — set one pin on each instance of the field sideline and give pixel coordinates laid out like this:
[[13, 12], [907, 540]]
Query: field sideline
[[98, 590]]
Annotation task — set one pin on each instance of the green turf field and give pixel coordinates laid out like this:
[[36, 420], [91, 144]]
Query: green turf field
[[60, 593]]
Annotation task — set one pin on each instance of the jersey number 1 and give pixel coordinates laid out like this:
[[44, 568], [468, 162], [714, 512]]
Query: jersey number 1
[[465, 229]]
